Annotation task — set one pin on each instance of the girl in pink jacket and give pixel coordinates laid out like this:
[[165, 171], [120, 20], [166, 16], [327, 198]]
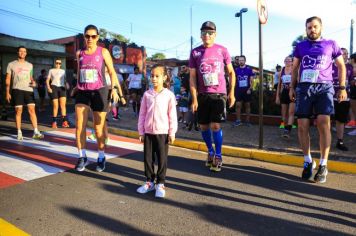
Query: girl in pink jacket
[[157, 125]]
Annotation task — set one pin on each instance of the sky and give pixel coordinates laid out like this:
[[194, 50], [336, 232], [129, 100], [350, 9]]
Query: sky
[[166, 25]]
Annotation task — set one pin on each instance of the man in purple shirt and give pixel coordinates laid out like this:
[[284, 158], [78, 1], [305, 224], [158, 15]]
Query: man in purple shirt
[[312, 68], [206, 65], [243, 89]]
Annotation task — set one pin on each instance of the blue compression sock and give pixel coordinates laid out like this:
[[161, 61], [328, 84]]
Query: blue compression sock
[[207, 139], [218, 140]]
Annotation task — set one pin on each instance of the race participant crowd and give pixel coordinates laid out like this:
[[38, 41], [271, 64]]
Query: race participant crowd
[[317, 82]]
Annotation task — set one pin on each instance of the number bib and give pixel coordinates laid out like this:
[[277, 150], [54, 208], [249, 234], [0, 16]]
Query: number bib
[[309, 76], [88, 76], [242, 83], [211, 79], [286, 79]]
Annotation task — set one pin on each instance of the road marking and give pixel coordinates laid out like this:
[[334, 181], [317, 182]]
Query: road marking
[[7, 229]]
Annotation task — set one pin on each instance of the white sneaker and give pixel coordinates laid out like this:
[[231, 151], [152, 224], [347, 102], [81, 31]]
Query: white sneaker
[[146, 187], [352, 133], [160, 190], [19, 136]]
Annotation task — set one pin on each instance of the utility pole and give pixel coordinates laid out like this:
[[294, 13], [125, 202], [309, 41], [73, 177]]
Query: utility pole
[[191, 27], [352, 36]]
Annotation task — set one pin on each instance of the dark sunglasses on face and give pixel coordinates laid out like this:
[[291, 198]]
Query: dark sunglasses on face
[[87, 36], [204, 32]]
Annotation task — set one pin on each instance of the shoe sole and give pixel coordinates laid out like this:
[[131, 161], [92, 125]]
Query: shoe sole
[[82, 169], [215, 169], [149, 190]]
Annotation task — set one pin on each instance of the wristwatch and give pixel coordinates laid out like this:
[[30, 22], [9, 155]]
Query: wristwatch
[[342, 87]]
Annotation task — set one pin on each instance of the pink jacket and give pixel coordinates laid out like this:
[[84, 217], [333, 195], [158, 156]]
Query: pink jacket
[[158, 114]]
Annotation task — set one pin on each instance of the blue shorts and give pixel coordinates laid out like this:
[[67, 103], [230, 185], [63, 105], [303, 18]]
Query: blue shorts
[[314, 99]]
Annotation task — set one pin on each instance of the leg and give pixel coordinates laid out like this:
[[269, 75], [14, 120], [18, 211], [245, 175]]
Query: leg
[[238, 110], [18, 119], [161, 149], [55, 107], [99, 121], [247, 110], [81, 119], [62, 104], [291, 111], [324, 135], [284, 113], [303, 135], [149, 158], [32, 113]]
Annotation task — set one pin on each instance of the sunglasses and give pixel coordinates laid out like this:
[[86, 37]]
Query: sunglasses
[[203, 33], [94, 36]]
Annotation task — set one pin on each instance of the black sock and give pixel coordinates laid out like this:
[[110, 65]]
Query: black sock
[[64, 118], [288, 127], [54, 119]]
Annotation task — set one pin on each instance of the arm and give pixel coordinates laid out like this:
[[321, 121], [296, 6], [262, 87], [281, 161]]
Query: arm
[[279, 85], [172, 119], [8, 82], [231, 94], [293, 83], [47, 82], [193, 88], [114, 80], [141, 119], [339, 61]]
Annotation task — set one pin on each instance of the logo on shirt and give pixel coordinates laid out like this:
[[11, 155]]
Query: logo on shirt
[[205, 68], [308, 62], [196, 54]]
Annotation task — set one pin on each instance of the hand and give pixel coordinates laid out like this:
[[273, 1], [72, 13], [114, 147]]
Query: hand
[[73, 92], [114, 96], [67, 86], [141, 138], [231, 99], [277, 100], [33, 84], [292, 94], [248, 91], [123, 101], [8, 97], [171, 139], [342, 95], [194, 105], [49, 90]]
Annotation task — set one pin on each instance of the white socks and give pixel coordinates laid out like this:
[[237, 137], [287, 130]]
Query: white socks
[[323, 162], [82, 153], [308, 158], [35, 131], [101, 154]]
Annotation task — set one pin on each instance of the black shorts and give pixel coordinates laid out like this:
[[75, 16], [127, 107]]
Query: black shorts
[[21, 97], [97, 100], [211, 108], [353, 92], [341, 111], [285, 97], [41, 92], [242, 96], [136, 91], [57, 92]]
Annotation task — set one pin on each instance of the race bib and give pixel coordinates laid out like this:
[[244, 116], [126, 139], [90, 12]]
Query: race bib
[[210, 79], [286, 79], [88, 76], [242, 83], [309, 76]]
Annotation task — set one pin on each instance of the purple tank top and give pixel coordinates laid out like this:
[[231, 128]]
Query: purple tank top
[[91, 70], [285, 79]]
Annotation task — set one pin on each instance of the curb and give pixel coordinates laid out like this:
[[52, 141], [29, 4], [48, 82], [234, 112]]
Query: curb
[[260, 155]]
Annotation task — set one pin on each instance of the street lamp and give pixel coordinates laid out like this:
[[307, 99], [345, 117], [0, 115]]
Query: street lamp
[[239, 14]]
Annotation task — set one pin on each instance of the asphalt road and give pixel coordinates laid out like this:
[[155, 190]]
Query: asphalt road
[[247, 197]]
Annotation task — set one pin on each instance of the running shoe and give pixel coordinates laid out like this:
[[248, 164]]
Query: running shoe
[[352, 133], [294, 126], [19, 136], [100, 164], [216, 165], [146, 187], [92, 137], [320, 176], [160, 191], [308, 170], [54, 125], [38, 136], [341, 146], [237, 123], [281, 126], [209, 160], [82, 163], [351, 124], [65, 124], [286, 134]]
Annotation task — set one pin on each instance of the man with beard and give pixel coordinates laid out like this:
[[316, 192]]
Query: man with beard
[[312, 68]]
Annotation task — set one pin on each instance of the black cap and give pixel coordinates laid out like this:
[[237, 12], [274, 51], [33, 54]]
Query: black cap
[[208, 25]]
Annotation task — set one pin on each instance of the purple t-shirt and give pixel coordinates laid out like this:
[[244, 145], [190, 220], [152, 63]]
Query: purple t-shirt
[[316, 59], [243, 75], [209, 64], [349, 78]]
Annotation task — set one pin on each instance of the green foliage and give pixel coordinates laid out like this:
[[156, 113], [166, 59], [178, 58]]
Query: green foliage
[[105, 34], [158, 56]]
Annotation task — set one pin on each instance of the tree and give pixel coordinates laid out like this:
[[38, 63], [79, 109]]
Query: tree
[[158, 56], [105, 34], [297, 40]]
